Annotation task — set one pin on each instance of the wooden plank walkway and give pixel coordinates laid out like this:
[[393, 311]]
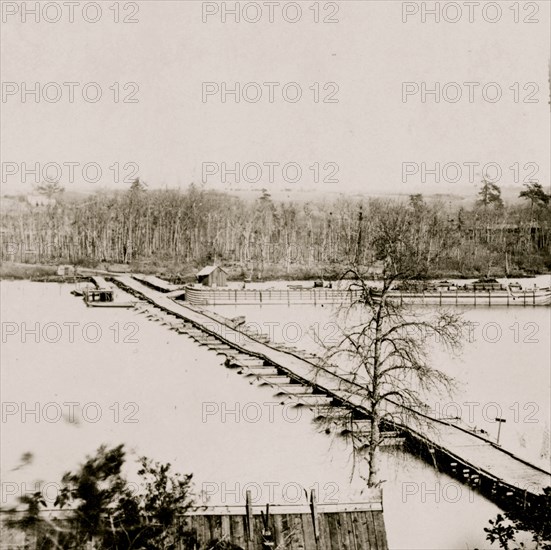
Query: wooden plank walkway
[[101, 282], [505, 473], [156, 283]]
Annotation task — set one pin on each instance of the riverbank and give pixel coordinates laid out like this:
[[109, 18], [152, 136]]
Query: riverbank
[[31, 272], [181, 274]]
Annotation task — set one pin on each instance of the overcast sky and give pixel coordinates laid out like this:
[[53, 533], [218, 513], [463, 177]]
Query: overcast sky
[[361, 135]]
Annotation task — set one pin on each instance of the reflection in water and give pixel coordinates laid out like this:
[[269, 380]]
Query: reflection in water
[[76, 377]]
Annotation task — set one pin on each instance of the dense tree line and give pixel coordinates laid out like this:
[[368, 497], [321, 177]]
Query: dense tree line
[[194, 227]]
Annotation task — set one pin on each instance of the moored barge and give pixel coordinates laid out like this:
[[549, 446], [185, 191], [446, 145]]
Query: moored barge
[[486, 292]]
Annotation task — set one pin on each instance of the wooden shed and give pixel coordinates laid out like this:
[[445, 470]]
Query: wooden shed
[[66, 270], [212, 275]]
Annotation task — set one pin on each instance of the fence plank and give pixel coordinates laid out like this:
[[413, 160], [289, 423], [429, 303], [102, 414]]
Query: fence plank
[[360, 534], [215, 527], [226, 527], [369, 526], [380, 530], [308, 532], [348, 532], [237, 527], [333, 522], [324, 534], [278, 531]]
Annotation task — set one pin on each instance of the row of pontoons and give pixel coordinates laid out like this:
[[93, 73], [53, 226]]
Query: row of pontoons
[[289, 389]]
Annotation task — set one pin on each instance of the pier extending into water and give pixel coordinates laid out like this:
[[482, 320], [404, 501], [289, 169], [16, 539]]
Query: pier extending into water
[[157, 283], [500, 475], [101, 282]]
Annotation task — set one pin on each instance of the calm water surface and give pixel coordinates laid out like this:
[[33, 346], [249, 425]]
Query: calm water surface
[[121, 378]]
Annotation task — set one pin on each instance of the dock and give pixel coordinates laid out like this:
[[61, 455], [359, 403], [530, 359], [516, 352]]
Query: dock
[[101, 282], [500, 475], [157, 283]]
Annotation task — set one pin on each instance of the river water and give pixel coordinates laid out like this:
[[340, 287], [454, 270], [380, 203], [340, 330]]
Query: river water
[[74, 378]]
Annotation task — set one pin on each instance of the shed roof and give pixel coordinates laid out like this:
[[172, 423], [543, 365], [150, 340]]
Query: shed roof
[[207, 270]]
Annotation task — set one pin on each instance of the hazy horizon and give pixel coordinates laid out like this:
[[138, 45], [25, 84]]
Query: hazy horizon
[[355, 127]]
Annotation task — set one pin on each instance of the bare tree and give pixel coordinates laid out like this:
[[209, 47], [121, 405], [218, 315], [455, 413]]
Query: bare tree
[[170, 227], [384, 351]]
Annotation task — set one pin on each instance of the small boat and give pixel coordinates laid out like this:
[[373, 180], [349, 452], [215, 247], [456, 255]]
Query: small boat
[[103, 297], [80, 289]]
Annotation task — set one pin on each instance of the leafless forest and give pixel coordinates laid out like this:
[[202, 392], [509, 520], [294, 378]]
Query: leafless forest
[[173, 230]]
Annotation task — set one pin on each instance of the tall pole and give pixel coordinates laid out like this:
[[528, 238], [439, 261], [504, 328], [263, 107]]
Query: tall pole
[[359, 242], [499, 421]]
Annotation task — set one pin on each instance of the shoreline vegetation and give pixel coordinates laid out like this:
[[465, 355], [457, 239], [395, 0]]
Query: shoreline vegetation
[[175, 233], [181, 275]]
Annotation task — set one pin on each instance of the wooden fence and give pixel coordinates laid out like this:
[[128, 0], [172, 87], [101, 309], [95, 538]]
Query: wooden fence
[[352, 526]]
